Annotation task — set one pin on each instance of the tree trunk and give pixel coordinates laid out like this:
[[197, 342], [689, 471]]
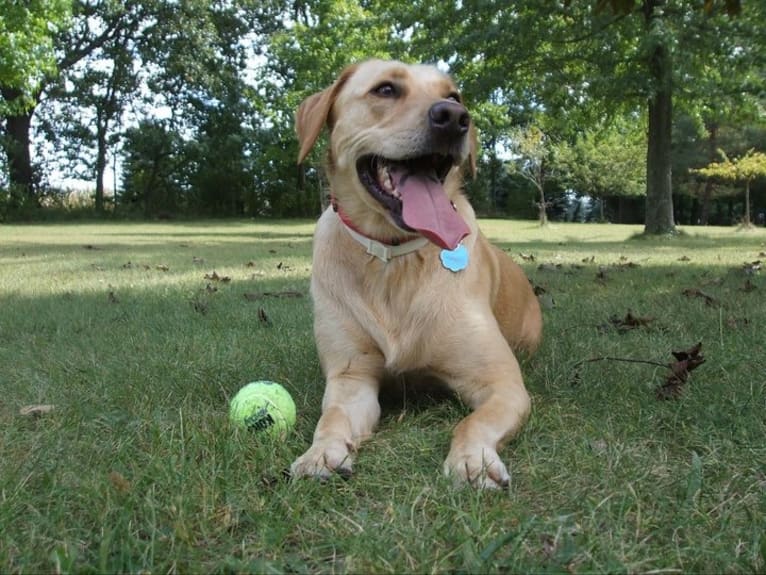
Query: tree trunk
[[493, 168], [659, 191], [707, 195], [16, 146], [100, 164], [712, 146], [542, 208], [747, 222]]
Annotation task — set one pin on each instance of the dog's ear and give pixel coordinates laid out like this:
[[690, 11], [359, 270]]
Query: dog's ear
[[313, 113], [473, 152]]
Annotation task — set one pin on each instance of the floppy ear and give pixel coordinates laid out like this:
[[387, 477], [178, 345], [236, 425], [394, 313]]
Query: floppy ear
[[473, 152], [313, 113]]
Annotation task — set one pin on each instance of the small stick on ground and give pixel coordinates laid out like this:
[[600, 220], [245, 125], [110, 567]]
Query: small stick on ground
[[685, 362]]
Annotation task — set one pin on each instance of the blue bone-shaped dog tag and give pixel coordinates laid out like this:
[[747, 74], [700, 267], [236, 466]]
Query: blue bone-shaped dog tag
[[455, 260]]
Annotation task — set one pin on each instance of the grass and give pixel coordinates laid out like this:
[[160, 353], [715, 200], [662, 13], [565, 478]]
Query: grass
[[136, 468]]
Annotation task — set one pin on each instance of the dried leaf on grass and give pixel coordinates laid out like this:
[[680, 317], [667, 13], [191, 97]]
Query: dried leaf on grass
[[263, 318], [695, 292], [686, 361], [627, 265], [130, 265], [628, 323], [216, 278], [751, 268], [737, 322], [255, 296], [118, 481], [36, 410]]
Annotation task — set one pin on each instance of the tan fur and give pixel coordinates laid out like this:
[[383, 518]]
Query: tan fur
[[410, 314]]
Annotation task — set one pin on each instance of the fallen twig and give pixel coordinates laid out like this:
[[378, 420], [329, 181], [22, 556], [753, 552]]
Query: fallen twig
[[685, 362]]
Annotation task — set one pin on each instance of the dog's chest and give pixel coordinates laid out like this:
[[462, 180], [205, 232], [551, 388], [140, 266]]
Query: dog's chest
[[407, 312]]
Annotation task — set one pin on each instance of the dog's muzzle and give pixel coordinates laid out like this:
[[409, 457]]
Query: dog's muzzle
[[411, 188]]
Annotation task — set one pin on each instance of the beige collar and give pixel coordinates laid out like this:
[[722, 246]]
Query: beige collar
[[385, 252]]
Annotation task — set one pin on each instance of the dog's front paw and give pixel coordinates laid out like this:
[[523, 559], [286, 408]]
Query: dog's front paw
[[323, 459], [480, 467]]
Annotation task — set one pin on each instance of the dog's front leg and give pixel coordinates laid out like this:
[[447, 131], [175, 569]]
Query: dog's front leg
[[501, 406], [350, 411]]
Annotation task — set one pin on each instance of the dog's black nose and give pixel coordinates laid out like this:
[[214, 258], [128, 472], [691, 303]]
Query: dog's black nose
[[448, 119]]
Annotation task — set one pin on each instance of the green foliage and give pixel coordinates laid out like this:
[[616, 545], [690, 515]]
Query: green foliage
[[605, 161], [533, 160], [574, 69], [153, 170], [321, 39], [579, 63], [743, 169], [27, 51]]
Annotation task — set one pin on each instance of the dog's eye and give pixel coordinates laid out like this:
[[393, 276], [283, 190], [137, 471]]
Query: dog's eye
[[454, 96], [386, 90]]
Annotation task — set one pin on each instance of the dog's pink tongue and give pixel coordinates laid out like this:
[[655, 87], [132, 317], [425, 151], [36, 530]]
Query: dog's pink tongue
[[426, 208]]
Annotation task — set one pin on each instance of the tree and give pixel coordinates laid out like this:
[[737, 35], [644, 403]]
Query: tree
[[221, 175], [27, 58], [86, 103], [735, 126], [202, 53], [324, 37], [605, 161], [744, 169], [153, 169], [579, 62], [93, 24], [532, 151]]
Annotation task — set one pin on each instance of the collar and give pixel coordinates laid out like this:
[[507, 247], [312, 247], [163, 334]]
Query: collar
[[385, 252], [381, 250]]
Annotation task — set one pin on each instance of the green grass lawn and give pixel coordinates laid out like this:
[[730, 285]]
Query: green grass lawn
[[136, 468]]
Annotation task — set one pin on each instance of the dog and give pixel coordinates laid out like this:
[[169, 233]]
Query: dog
[[403, 282]]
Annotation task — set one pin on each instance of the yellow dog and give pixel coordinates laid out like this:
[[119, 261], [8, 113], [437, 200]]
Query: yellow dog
[[403, 281]]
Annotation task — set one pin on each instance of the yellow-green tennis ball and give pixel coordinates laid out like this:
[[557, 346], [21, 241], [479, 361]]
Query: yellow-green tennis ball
[[263, 407]]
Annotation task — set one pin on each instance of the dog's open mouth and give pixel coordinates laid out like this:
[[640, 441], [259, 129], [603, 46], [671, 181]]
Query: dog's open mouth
[[412, 191]]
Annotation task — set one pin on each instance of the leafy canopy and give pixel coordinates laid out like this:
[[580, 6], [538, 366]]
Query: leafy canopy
[[27, 31], [743, 169]]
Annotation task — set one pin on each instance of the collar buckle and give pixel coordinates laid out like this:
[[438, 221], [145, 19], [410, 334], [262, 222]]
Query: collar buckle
[[379, 250]]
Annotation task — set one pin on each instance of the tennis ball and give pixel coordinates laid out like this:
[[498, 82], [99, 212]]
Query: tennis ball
[[263, 406]]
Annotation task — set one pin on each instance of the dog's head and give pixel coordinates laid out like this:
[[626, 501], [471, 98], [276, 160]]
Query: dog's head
[[399, 135]]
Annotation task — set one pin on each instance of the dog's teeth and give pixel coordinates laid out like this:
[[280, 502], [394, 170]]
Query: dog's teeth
[[386, 182]]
